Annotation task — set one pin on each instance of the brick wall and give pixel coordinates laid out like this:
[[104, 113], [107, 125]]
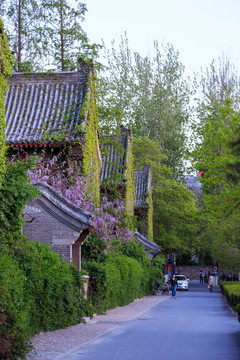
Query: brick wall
[[48, 229], [192, 270]]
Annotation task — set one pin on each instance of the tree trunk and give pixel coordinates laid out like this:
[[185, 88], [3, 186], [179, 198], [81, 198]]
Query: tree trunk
[[62, 39], [19, 34]]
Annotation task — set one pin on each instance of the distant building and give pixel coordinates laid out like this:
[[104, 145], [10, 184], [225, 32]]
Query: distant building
[[193, 183], [135, 186]]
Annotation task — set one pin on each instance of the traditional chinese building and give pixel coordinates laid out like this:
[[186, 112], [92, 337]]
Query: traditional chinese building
[[55, 114], [52, 114], [135, 186]]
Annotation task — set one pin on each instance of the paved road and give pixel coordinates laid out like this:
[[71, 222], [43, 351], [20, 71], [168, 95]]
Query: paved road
[[196, 325]]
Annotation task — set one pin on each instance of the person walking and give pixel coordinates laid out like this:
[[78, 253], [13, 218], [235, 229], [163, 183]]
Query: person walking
[[201, 277], [174, 285], [210, 282]]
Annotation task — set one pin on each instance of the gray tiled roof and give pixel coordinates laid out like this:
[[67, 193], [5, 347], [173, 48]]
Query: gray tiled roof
[[39, 105], [114, 159], [60, 208], [150, 247], [142, 187]]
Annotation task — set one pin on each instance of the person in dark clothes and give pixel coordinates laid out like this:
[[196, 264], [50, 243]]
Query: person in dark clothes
[[201, 277], [174, 286]]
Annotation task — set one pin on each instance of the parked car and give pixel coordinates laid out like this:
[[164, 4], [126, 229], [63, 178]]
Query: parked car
[[182, 282]]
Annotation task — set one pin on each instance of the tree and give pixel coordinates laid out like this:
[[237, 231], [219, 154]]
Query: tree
[[221, 195], [46, 34], [218, 82], [5, 72], [23, 24], [150, 95], [175, 220], [64, 37]]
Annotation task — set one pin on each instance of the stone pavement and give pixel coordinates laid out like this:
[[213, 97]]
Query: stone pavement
[[53, 345]]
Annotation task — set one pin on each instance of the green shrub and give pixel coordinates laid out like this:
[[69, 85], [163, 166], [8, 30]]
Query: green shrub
[[13, 310], [231, 291], [238, 311], [53, 288], [38, 292], [117, 282]]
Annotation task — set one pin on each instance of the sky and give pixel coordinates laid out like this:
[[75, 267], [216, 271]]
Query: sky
[[200, 30]]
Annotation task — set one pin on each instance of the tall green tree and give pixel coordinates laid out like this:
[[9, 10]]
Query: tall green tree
[[46, 34], [64, 38], [214, 156], [176, 218], [148, 94], [23, 29]]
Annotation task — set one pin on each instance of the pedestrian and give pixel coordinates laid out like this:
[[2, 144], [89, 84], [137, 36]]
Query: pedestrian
[[201, 277], [210, 282], [206, 277], [229, 278], [223, 276], [174, 285]]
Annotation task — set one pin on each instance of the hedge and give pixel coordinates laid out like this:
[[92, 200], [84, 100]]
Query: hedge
[[118, 282], [38, 292], [231, 291]]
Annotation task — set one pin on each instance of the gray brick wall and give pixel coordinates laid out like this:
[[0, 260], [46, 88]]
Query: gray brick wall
[[47, 229]]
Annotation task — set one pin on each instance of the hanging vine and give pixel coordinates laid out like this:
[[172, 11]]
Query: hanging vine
[[6, 63], [91, 151]]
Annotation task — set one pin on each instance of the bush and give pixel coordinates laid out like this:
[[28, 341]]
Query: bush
[[238, 311], [38, 292], [13, 310], [118, 282], [231, 291], [53, 288]]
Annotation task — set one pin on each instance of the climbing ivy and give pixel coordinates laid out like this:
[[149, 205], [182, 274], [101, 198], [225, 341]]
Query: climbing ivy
[[150, 215], [130, 185], [5, 71], [91, 151]]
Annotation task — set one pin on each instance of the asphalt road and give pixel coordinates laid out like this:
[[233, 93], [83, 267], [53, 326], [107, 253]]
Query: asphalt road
[[196, 325]]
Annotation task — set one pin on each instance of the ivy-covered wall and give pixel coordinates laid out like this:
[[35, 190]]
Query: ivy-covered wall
[[130, 185], [150, 214], [91, 151], [6, 63]]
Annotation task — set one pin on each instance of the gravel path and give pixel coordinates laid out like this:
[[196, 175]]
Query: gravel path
[[53, 345]]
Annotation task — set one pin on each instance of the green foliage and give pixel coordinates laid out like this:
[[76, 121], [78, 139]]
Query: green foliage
[[38, 292], [238, 311], [53, 288], [221, 193], [91, 159], [15, 193], [157, 268], [148, 95], [63, 32], [135, 250], [117, 282], [175, 216], [23, 29], [148, 153], [231, 291], [5, 72], [14, 307], [130, 186], [119, 182], [46, 33]]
